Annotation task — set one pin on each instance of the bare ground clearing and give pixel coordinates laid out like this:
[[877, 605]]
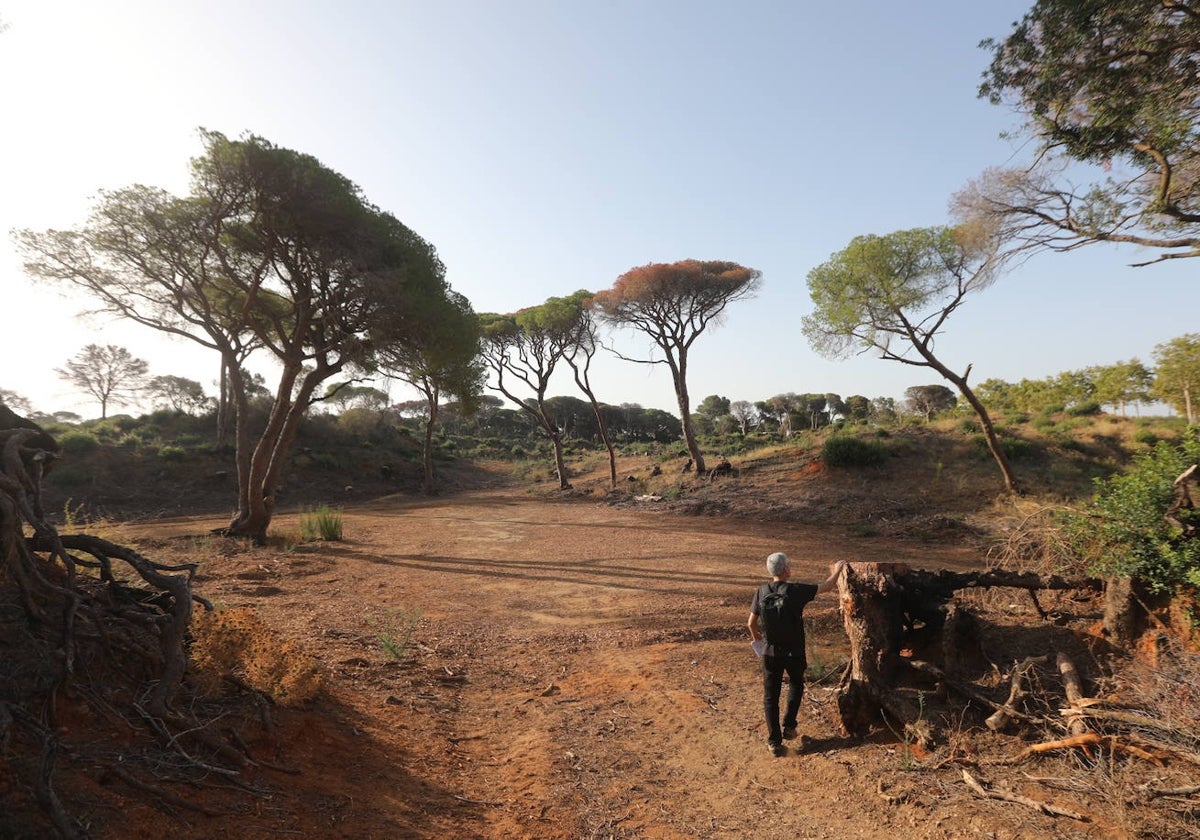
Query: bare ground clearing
[[577, 671]]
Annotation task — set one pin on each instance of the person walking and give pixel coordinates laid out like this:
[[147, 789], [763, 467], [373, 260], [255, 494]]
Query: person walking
[[777, 634]]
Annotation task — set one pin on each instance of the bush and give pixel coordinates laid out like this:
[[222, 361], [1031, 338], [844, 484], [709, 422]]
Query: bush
[[1122, 532], [853, 452], [1017, 449], [1145, 436], [1087, 409], [78, 443], [172, 453]]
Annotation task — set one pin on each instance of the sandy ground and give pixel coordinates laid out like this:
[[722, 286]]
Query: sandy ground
[[576, 671]]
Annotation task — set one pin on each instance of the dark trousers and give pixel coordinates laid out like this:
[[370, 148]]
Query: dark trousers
[[773, 669]]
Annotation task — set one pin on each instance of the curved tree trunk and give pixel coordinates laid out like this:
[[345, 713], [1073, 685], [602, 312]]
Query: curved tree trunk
[[989, 433], [985, 420]]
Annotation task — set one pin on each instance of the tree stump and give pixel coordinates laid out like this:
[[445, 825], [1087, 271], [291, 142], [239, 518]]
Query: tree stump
[[896, 619], [873, 596]]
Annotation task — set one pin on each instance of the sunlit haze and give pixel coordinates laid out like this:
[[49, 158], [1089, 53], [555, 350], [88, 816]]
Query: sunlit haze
[[545, 147]]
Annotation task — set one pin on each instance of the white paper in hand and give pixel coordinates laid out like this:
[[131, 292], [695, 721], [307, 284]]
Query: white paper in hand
[[759, 645]]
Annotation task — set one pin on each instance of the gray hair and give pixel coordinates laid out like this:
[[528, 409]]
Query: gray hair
[[776, 563]]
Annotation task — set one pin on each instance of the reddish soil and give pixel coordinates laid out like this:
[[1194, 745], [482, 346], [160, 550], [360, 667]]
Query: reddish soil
[[578, 670]]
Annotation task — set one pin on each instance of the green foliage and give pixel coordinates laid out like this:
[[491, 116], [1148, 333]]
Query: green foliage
[[1122, 532], [78, 443], [326, 461], [1086, 409], [321, 523], [1018, 449], [172, 453], [843, 451], [1145, 436]]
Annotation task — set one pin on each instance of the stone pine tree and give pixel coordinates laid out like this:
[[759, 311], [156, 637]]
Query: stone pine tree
[[271, 252], [578, 353], [109, 374], [523, 350], [440, 357], [894, 293], [673, 304]]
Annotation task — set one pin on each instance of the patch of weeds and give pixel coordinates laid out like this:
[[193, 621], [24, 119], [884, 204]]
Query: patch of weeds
[[859, 529], [395, 632], [321, 523]]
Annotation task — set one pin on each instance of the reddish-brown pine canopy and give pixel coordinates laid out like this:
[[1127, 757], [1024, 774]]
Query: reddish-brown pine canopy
[[717, 279]]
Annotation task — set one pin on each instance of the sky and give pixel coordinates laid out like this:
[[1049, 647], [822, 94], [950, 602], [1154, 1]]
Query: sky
[[544, 147]]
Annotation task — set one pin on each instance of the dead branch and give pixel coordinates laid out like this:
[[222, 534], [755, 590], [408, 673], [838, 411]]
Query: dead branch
[[1016, 693], [1150, 792], [1071, 685], [1086, 743], [971, 691], [1117, 716], [985, 791]]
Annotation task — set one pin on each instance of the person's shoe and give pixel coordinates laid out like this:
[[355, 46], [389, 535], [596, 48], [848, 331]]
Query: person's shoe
[[789, 732], [776, 749]]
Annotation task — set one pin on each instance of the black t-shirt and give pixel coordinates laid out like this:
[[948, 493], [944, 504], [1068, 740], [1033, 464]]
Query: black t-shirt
[[796, 596]]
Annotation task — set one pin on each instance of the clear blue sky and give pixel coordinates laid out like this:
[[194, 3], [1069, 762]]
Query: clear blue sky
[[544, 147]]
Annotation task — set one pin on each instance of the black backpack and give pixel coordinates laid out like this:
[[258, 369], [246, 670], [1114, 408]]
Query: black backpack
[[779, 625]]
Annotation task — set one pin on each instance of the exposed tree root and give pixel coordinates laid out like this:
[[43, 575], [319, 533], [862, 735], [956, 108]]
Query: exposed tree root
[[87, 621]]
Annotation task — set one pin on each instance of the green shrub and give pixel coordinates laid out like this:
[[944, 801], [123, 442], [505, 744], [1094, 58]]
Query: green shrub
[[853, 452], [1122, 531], [1087, 409], [172, 453], [1145, 436], [1018, 449], [78, 443], [321, 523], [325, 461]]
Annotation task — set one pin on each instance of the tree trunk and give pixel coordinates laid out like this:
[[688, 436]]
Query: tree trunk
[[874, 623], [427, 453]]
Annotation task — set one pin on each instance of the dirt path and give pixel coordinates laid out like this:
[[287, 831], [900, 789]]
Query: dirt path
[[577, 671]]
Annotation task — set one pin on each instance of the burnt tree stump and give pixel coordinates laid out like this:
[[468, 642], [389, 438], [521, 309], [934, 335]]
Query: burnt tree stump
[[891, 613]]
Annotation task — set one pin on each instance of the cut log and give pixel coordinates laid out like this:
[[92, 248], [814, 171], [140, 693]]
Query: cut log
[[872, 615]]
